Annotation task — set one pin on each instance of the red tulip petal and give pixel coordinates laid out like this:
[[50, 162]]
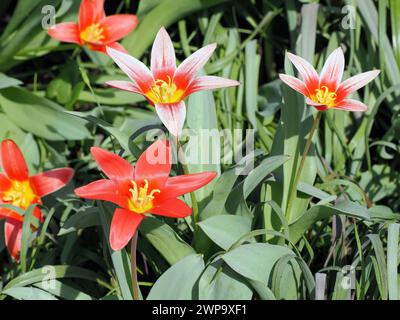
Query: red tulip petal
[[123, 226], [13, 235], [179, 185], [172, 116], [124, 85], [13, 161], [188, 69], [332, 72], [107, 190], [65, 32], [6, 213], [295, 84], [5, 183], [113, 166], [173, 208], [210, 83], [118, 26], [90, 11], [163, 54], [134, 69], [117, 46], [51, 181], [306, 71], [351, 105], [154, 164], [354, 83]]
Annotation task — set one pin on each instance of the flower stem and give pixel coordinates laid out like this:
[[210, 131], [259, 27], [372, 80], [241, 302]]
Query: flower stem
[[195, 207], [135, 286], [293, 191]]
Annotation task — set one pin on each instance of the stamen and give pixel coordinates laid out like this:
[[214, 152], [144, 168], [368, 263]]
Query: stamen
[[164, 92], [325, 97], [140, 201], [20, 194], [93, 33]]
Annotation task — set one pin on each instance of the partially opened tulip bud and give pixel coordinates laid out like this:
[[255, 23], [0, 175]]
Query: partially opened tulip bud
[[19, 189], [326, 91], [144, 189], [94, 29], [165, 86]]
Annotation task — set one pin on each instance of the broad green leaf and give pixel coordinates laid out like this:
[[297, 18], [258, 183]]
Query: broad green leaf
[[225, 230], [320, 212], [220, 282], [178, 282], [165, 240], [29, 293], [255, 261], [40, 116]]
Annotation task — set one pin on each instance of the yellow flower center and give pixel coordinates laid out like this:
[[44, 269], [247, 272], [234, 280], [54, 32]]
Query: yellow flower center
[[324, 96], [164, 92], [20, 194], [93, 33], [141, 201]]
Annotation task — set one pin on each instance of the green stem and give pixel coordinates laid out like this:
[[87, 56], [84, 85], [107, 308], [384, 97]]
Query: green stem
[[135, 286], [293, 191], [195, 207]]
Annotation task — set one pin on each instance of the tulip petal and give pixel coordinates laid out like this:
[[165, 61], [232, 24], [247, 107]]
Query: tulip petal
[[5, 183], [65, 32], [134, 69], [173, 208], [113, 165], [332, 72], [295, 84], [7, 213], [51, 181], [124, 224], [118, 26], [188, 69], [107, 190], [210, 83], [172, 116], [13, 161], [124, 85], [354, 83], [13, 235], [163, 54], [179, 185], [306, 71], [351, 105], [154, 164], [90, 11]]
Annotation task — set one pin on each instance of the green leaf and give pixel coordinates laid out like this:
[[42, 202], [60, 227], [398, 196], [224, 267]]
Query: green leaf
[[178, 282], [165, 240], [392, 260], [220, 282], [320, 212], [255, 261], [6, 82], [28, 293], [40, 116], [225, 230]]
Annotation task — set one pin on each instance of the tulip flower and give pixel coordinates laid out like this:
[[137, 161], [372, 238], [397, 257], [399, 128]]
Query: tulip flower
[[326, 91], [140, 190], [165, 86], [19, 189], [94, 29]]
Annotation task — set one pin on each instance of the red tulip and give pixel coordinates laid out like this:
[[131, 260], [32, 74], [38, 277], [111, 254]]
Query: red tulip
[[20, 190], [95, 29], [141, 190], [165, 86], [326, 91]]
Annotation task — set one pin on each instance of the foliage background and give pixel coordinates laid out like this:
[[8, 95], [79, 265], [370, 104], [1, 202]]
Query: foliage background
[[54, 104]]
